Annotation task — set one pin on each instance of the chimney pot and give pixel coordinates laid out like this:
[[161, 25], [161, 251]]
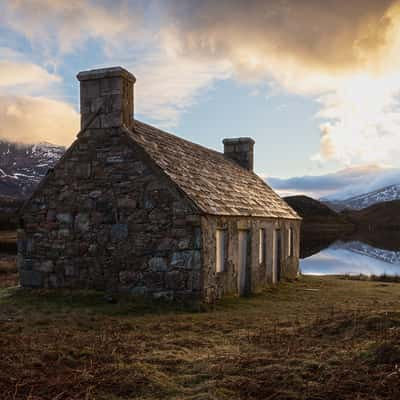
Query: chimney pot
[[106, 97], [240, 150]]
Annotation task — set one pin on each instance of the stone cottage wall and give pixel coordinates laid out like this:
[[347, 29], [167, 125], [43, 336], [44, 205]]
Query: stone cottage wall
[[105, 218], [215, 285]]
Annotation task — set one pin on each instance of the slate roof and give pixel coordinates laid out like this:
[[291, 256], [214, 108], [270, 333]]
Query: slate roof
[[214, 183]]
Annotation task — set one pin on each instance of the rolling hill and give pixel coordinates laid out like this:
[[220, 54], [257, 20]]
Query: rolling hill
[[321, 225]]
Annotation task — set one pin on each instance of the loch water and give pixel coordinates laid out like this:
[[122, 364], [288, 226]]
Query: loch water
[[352, 257]]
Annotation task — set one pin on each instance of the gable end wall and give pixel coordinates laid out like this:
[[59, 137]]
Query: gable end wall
[[106, 218]]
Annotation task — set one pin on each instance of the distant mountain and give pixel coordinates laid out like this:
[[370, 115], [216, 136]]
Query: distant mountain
[[23, 166], [388, 193], [317, 217], [378, 217], [308, 207]]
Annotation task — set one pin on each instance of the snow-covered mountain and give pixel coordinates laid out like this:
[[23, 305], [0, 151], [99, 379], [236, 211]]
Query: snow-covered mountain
[[23, 166], [391, 257], [388, 193]]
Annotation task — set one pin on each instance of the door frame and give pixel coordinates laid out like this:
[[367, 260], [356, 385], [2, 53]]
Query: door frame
[[244, 290], [277, 256]]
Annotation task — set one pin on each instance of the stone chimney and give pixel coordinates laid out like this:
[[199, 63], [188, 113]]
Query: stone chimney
[[240, 150], [106, 98]]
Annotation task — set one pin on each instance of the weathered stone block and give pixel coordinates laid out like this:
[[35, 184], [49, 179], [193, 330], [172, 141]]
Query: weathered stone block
[[116, 159], [164, 295], [21, 246], [93, 249], [175, 280], [46, 266], [70, 270], [139, 291], [51, 216], [64, 218], [189, 259], [166, 244], [158, 264], [158, 215], [31, 278], [197, 238], [63, 233], [52, 281], [111, 119], [184, 244], [82, 222], [119, 232], [95, 194], [126, 277], [139, 167], [127, 203]]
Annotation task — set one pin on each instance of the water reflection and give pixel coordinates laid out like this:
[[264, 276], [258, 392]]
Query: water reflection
[[352, 257]]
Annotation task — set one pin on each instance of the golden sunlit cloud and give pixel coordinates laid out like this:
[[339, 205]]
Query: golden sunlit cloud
[[66, 25], [344, 54], [14, 73], [27, 119]]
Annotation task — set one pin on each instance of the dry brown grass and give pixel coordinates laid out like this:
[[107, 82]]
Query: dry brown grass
[[339, 340]]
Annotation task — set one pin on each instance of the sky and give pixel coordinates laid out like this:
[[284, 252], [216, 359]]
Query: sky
[[316, 84]]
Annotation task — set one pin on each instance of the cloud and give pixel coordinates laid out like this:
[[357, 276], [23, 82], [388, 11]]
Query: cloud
[[342, 184], [13, 74], [28, 113], [27, 119], [344, 54], [64, 26], [168, 83], [336, 35]]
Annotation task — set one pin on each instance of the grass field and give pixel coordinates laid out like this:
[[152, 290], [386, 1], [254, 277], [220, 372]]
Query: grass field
[[316, 338]]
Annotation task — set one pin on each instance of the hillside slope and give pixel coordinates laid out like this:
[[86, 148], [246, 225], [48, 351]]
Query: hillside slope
[[320, 227], [316, 214], [381, 216]]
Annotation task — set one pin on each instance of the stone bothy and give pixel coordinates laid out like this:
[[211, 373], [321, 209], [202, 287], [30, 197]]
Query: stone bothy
[[131, 208]]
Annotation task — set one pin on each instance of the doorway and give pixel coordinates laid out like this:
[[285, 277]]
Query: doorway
[[276, 273], [243, 269]]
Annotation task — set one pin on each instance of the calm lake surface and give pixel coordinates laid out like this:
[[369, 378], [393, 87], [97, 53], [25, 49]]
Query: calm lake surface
[[353, 258]]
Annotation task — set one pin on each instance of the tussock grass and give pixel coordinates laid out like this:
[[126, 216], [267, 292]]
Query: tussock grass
[[340, 341]]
